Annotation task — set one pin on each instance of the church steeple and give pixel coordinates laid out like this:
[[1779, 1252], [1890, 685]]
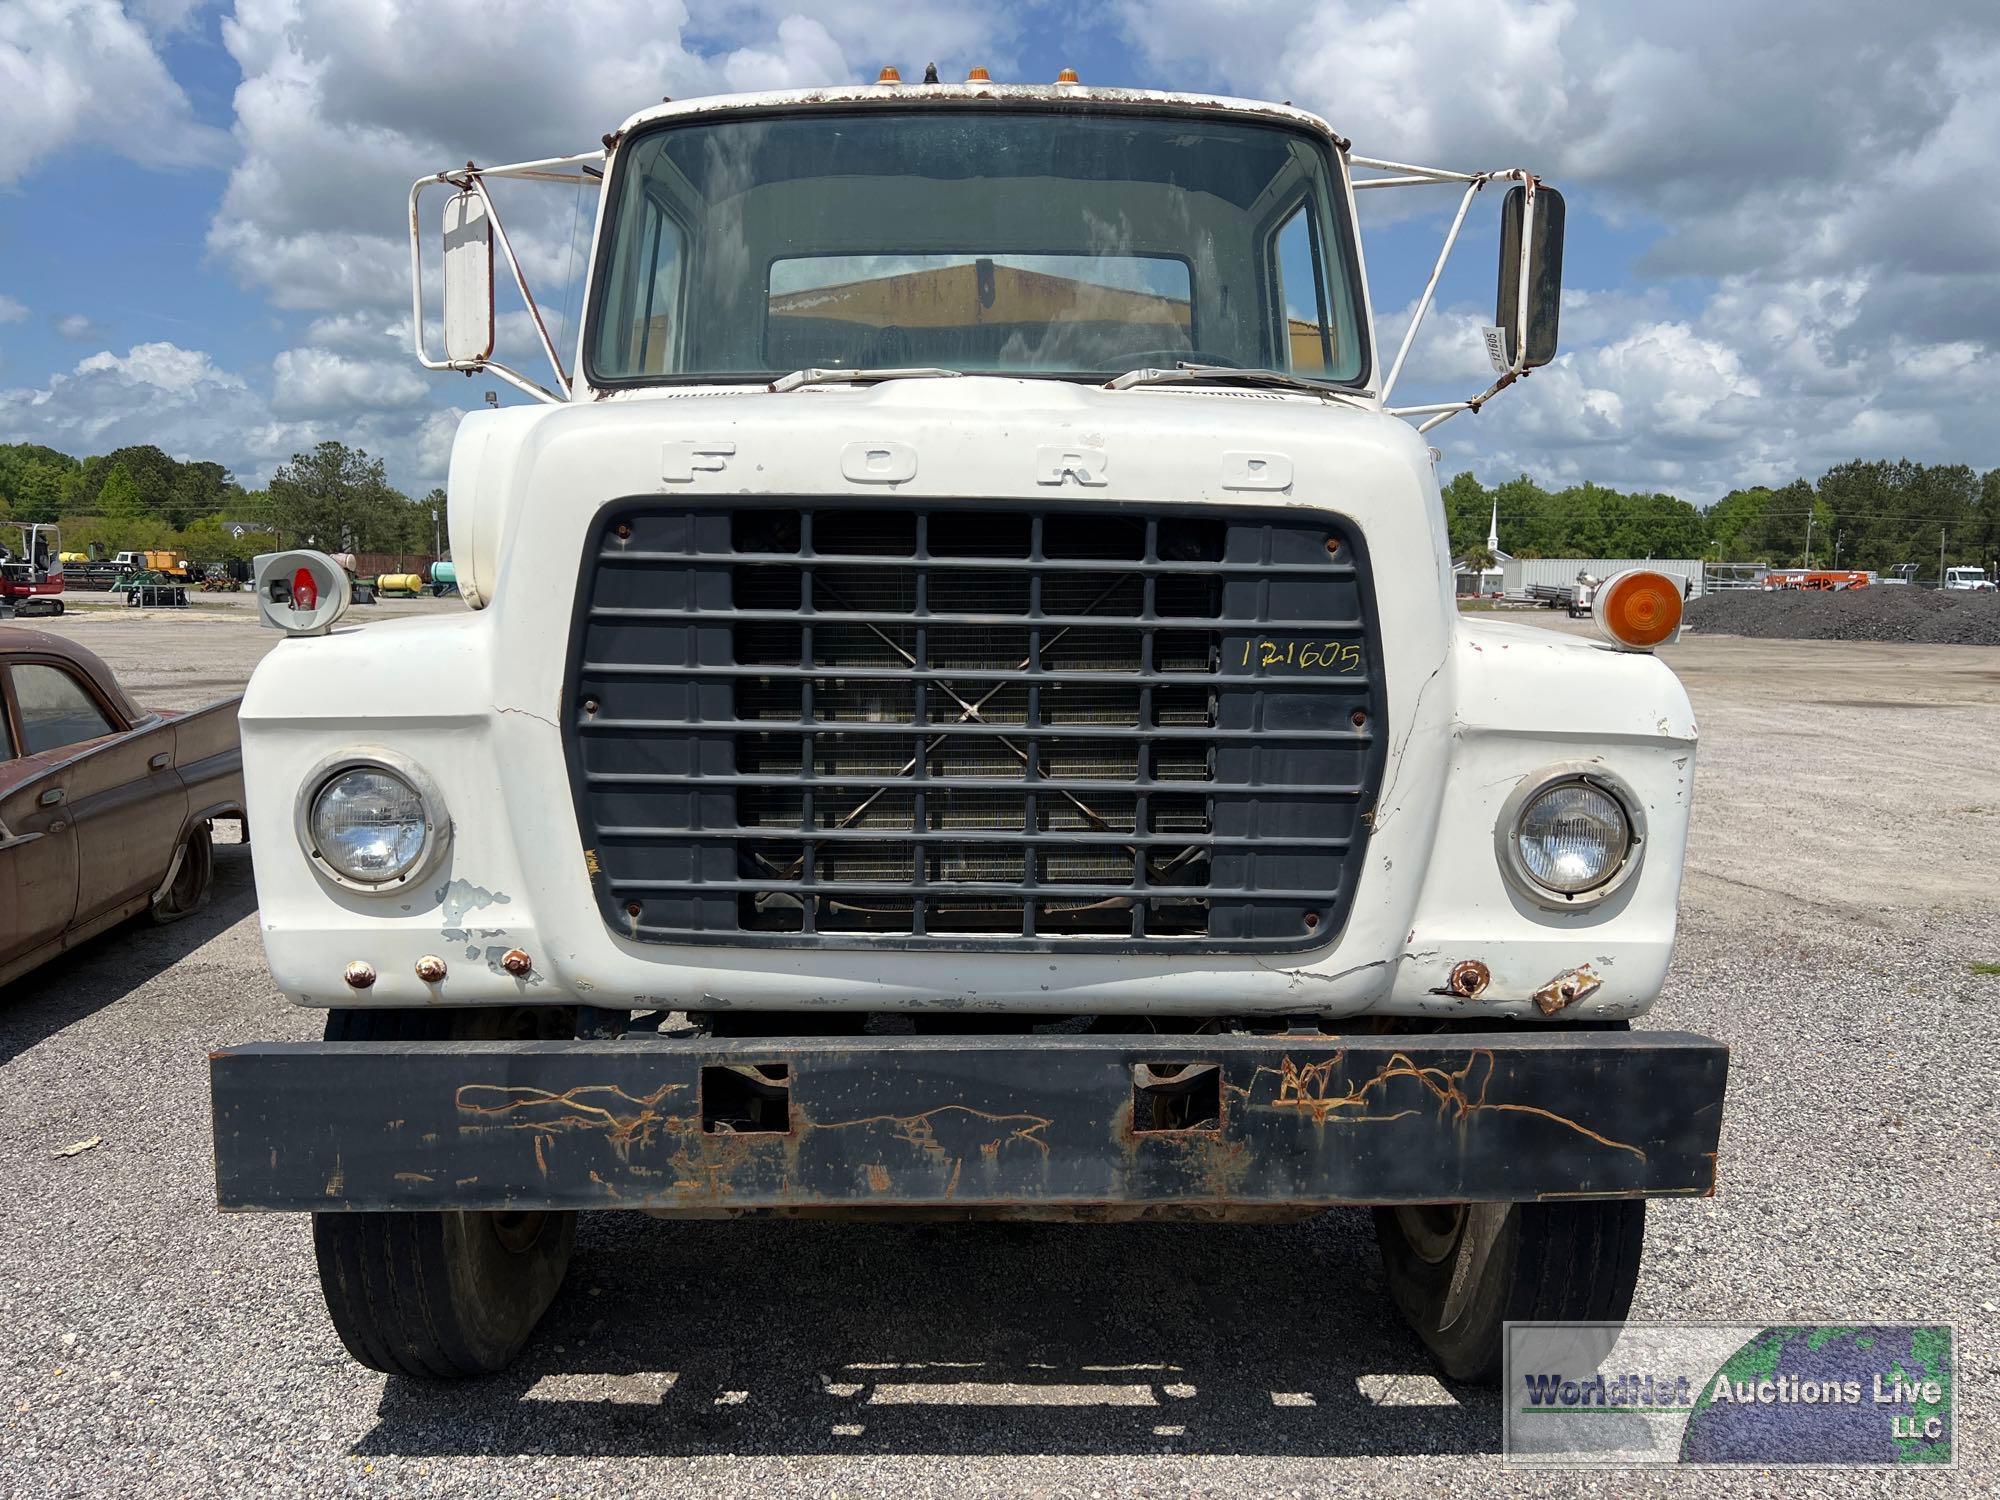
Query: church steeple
[[1493, 528]]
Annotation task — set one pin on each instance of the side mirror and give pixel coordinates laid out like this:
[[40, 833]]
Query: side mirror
[[468, 280], [1528, 312]]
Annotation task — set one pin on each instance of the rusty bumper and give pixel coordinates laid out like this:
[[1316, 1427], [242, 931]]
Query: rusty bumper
[[971, 1122]]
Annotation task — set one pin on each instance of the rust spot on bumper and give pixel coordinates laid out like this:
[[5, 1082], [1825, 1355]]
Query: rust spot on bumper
[[1566, 989]]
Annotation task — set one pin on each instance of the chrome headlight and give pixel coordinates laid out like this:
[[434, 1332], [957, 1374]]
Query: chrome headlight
[[1570, 836], [368, 824]]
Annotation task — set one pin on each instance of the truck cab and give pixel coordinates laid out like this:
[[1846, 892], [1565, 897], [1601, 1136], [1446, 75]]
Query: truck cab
[[961, 710]]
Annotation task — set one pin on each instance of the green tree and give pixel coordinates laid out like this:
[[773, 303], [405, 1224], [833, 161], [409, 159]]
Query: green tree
[[339, 499], [32, 479], [1731, 520], [1467, 510], [199, 489], [118, 498]]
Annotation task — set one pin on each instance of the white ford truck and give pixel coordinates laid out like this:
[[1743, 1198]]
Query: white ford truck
[[961, 710]]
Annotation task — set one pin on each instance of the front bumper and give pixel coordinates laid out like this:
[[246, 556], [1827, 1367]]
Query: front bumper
[[1058, 1122]]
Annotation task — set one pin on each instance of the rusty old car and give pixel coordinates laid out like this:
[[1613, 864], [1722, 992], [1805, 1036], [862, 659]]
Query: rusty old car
[[104, 806]]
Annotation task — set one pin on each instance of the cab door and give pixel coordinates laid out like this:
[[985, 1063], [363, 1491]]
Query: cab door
[[124, 800], [37, 853]]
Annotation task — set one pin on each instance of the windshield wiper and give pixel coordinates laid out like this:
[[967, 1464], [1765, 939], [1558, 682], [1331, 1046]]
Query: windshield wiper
[[1186, 374], [798, 378]]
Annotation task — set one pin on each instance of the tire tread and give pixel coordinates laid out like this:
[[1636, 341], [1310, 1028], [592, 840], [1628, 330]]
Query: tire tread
[[384, 1275]]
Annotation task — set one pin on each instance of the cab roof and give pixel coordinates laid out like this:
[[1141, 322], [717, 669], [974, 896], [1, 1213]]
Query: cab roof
[[976, 95]]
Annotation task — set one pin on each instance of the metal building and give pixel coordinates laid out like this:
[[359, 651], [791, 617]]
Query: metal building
[[1523, 573]]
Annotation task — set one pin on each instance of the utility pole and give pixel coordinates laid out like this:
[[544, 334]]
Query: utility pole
[[1940, 557], [1838, 538], [1810, 518], [437, 540]]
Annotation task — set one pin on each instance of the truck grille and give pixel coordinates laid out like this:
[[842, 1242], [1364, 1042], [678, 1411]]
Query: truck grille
[[975, 725]]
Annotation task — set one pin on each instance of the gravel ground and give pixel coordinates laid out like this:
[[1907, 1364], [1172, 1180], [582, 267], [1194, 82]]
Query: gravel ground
[[1846, 852], [1878, 613]]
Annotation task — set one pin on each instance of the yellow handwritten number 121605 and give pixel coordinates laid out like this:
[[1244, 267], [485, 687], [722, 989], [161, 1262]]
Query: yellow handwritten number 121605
[[1325, 656]]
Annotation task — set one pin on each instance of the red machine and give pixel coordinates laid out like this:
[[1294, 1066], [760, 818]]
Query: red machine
[[1818, 578], [31, 578]]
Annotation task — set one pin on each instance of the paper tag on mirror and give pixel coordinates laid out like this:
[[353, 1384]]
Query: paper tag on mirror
[[1496, 348]]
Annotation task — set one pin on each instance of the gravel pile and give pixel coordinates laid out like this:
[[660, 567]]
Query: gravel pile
[[1870, 614]]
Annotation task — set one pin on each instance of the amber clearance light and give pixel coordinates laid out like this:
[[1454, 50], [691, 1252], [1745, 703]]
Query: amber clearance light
[[1638, 609]]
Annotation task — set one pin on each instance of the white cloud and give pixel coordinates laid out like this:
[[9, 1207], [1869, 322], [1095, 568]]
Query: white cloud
[[312, 382], [344, 103], [152, 393], [78, 327], [84, 72], [183, 401], [12, 310], [1815, 172]]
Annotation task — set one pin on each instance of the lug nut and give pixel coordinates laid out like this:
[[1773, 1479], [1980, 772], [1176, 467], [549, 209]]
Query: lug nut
[[359, 975], [516, 962], [430, 968]]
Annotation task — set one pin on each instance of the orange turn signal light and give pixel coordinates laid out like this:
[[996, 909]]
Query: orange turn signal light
[[1638, 609]]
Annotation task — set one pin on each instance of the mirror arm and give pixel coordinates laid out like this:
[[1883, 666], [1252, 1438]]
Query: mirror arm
[[1451, 409], [516, 379], [1430, 287], [1443, 411], [554, 169], [478, 185]]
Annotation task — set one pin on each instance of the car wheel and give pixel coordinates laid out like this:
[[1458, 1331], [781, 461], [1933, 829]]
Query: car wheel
[[1459, 1272], [441, 1295], [194, 878]]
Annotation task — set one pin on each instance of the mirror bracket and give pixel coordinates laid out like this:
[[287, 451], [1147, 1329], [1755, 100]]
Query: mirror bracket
[[470, 181], [1506, 343]]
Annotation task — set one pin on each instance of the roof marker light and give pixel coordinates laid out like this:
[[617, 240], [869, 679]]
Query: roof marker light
[[1067, 75], [889, 75], [978, 75]]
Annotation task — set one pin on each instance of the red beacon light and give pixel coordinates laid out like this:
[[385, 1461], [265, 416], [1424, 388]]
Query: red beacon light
[[305, 592]]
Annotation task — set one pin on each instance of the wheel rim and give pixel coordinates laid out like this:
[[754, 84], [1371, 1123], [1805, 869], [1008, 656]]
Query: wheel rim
[[187, 880], [1431, 1229]]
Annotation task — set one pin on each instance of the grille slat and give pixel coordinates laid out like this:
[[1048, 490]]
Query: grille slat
[[974, 724]]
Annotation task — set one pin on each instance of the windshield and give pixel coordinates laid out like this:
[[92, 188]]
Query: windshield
[[1026, 243]]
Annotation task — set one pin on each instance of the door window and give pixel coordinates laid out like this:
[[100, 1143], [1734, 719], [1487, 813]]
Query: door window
[[1311, 345], [55, 710]]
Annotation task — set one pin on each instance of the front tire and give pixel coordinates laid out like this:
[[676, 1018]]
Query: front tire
[[1460, 1272], [441, 1295], [194, 878]]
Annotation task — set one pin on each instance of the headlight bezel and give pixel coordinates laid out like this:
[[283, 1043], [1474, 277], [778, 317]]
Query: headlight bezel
[[1513, 814], [437, 824]]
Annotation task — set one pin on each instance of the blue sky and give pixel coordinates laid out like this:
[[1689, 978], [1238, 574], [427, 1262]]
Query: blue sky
[[1782, 252]]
